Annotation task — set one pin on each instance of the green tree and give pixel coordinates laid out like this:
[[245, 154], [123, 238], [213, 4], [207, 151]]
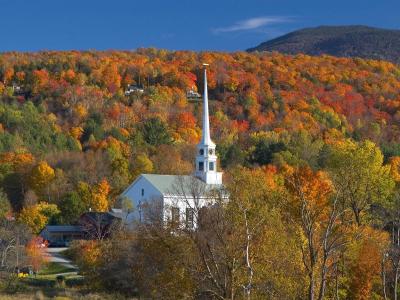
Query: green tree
[[5, 206], [264, 151], [155, 132], [142, 164], [360, 176], [231, 155], [71, 207], [120, 167], [93, 127]]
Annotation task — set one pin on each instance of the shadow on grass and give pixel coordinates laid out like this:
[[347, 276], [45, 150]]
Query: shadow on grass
[[52, 283], [50, 287]]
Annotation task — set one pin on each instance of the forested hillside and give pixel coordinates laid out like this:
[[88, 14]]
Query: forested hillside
[[310, 147], [343, 41]]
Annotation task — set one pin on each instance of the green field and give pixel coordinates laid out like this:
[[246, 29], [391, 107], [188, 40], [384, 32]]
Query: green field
[[55, 268]]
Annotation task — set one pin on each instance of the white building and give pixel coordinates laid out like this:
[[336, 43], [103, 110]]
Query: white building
[[133, 89], [193, 94], [175, 197]]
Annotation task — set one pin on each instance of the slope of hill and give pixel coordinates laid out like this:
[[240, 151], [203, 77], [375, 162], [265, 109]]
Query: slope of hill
[[310, 130], [344, 41], [67, 111]]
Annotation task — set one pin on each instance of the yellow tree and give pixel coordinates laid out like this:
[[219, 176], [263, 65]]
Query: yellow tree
[[88, 255], [142, 165], [395, 168], [258, 237], [80, 111], [100, 194], [76, 132], [37, 216], [94, 197], [111, 78], [41, 175], [242, 243], [315, 208]]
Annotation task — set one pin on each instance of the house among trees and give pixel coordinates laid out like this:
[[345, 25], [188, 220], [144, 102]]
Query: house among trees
[[17, 90], [192, 94], [90, 226], [61, 235], [133, 89], [176, 198]]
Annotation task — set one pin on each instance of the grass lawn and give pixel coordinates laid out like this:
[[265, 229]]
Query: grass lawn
[[46, 286], [55, 268], [48, 276]]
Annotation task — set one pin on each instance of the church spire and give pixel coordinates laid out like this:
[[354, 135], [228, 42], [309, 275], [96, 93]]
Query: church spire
[[205, 139], [206, 159]]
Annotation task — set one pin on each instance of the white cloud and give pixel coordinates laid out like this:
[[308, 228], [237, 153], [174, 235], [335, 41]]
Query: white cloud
[[253, 23]]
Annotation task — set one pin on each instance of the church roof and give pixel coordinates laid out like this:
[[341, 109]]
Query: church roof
[[177, 184]]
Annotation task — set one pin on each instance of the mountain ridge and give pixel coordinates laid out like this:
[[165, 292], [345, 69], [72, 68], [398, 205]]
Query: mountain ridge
[[343, 41]]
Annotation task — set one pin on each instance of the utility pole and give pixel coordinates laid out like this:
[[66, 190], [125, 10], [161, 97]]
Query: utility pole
[[17, 249]]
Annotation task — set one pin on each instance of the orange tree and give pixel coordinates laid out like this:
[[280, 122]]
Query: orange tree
[[314, 207]]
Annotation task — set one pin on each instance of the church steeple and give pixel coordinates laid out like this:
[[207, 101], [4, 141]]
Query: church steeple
[[206, 159], [205, 138]]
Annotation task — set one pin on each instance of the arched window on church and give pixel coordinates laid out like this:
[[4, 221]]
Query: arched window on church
[[211, 166], [201, 151]]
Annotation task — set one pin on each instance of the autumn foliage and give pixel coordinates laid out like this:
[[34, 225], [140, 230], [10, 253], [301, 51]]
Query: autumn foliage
[[36, 252], [318, 138]]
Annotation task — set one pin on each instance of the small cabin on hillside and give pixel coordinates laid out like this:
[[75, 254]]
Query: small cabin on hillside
[[62, 235], [133, 89], [192, 94], [90, 226]]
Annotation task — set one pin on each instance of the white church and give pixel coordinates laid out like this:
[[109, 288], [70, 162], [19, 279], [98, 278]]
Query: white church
[[177, 198]]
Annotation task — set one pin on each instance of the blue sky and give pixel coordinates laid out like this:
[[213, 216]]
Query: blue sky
[[224, 25]]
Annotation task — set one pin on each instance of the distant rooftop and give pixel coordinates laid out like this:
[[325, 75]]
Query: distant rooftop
[[63, 228]]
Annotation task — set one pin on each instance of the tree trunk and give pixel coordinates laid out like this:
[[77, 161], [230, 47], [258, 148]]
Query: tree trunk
[[396, 279], [247, 259], [356, 212], [311, 286], [395, 286], [384, 277], [323, 282]]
